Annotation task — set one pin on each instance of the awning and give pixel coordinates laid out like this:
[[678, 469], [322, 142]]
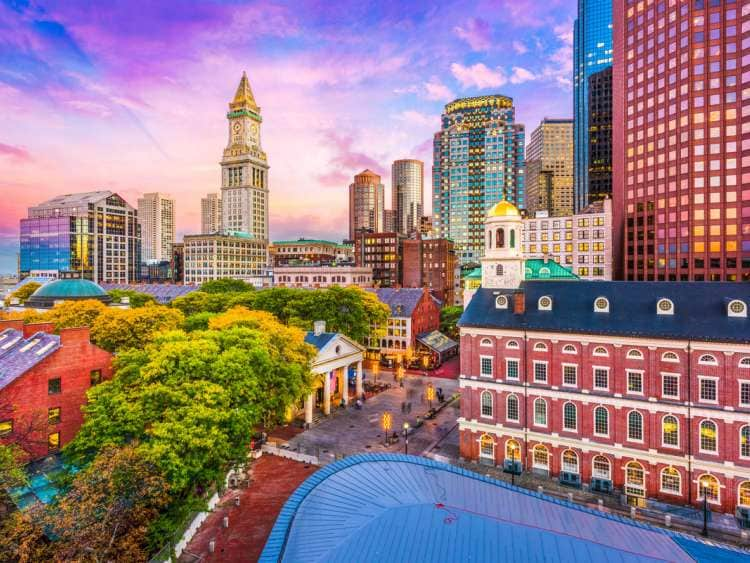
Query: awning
[[437, 341]]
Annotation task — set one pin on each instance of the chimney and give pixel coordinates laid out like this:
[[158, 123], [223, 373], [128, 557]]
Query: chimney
[[30, 329], [519, 303], [319, 327], [14, 324], [76, 335]]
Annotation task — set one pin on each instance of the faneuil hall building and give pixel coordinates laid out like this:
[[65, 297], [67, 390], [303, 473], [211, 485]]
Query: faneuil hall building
[[634, 388]]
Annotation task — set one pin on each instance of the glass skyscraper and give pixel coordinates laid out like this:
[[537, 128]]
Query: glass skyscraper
[[592, 52], [478, 160]]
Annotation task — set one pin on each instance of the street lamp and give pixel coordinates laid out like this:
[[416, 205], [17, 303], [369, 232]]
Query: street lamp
[[430, 394], [704, 486], [386, 421], [513, 465], [406, 438], [400, 375]]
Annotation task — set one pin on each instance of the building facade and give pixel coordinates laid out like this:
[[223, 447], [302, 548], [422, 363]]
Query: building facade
[[321, 276], [231, 255], [44, 378], [430, 263], [549, 168], [681, 170], [582, 242], [407, 192], [156, 215], [177, 263], [309, 251], [592, 52], [382, 253], [600, 135], [95, 234], [211, 214], [244, 169], [478, 159], [366, 204]]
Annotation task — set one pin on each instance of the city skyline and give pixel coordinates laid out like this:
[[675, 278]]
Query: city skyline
[[139, 107]]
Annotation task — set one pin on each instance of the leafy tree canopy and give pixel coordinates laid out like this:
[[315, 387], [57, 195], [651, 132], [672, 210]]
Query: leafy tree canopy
[[225, 285], [11, 470], [117, 329], [449, 317], [25, 291]]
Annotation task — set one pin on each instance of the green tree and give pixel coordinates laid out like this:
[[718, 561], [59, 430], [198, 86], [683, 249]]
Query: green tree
[[200, 302], [197, 321], [137, 299], [448, 319], [11, 467], [225, 285], [24, 292], [118, 329]]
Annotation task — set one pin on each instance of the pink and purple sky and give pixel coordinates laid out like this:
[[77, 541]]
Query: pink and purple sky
[[131, 96]]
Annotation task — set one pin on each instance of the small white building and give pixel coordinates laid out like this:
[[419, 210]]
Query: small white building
[[321, 276]]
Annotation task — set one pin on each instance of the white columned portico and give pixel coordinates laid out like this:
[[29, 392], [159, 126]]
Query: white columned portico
[[344, 385], [360, 389], [327, 393], [309, 400]]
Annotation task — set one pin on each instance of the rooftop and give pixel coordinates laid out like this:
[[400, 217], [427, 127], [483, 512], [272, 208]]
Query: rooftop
[[539, 268], [162, 292], [391, 507], [319, 340], [18, 354], [303, 241], [75, 200], [402, 301]]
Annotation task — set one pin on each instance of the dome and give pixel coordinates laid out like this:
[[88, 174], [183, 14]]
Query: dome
[[66, 289], [504, 209]]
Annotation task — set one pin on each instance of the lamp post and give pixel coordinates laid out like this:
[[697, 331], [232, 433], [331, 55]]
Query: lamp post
[[386, 421], [430, 392], [400, 375], [704, 486], [406, 438], [513, 465]]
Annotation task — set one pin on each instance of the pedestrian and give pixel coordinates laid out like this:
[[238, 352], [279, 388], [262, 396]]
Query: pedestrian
[[364, 397]]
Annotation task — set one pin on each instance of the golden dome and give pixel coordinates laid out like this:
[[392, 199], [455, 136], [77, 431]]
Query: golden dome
[[504, 209]]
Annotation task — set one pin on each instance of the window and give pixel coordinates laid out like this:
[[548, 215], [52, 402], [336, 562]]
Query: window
[[708, 487], [570, 461], [670, 431], [743, 494], [737, 308], [569, 349], [708, 435], [570, 417], [601, 378], [707, 360], [600, 351], [512, 450], [511, 405], [745, 362], [53, 442], [670, 385], [635, 479], [634, 354], [635, 382], [670, 480], [501, 301], [745, 441], [485, 342], [499, 272], [635, 426], [545, 303], [708, 389], [54, 386], [541, 457], [540, 347], [540, 372], [511, 369], [600, 467], [487, 447], [601, 305], [6, 427], [485, 363], [664, 307], [669, 357], [745, 393], [486, 404], [601, 421], [53, 415], [512, 344], [570, 375], [540, 412], [96, 377]]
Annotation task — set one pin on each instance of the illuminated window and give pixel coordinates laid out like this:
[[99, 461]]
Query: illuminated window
[[670, 431], [53, 415], [6, 427], [541, 457], [670, 480], [487, 447], [600, 467], [708, 487], [745, 441], [635, 479], [708, 437], [570, 461], [53, 442]]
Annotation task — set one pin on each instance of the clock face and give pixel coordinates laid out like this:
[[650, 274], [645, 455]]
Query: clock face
[[237, 126]]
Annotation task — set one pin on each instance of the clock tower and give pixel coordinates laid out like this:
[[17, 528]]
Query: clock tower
[[244, 168]]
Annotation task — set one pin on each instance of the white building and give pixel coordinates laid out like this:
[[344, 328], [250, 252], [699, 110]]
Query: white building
[[231, 255], [322, 276], [210, 214], [156, 214]]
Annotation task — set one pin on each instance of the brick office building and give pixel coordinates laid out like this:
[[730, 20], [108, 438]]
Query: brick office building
[[430, 263], [44, 378], [638, 387], [382, 253]]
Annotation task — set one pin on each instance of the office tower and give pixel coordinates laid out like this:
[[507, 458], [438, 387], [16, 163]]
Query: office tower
[[549, 168], [681, 174], [478, 160], [430, 263], [381, 252], [215, 256], [592, 52], [389, 221], [95, 234], [210, 214], [600, 135], [156, 215], [407, 183], [366, 204]]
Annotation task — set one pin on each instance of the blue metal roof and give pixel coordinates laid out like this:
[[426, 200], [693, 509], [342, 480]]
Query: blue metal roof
[[402, 301], [700, 309], [162, 292], [18, 354], [69, 288], [391, 507], [319, 340]]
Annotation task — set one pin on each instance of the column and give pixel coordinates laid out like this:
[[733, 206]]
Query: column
[[309, 409], [345, 385], [327, 393], [360, 388]]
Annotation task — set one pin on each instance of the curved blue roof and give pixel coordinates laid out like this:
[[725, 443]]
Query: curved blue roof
[[70, 288], [391, 507]]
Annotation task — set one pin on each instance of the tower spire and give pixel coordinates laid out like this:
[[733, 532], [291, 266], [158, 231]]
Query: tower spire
[[243, 97]]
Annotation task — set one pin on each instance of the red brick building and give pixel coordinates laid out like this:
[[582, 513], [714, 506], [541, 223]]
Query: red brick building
[[413, 312], [43, 383], [430, 263]]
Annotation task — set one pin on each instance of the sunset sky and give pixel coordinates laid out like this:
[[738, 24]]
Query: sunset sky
[[131, 96]]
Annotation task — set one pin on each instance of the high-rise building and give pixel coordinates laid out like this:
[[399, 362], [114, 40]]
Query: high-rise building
[[95, 234], [681, 174], [381, 252], [366, 204], [210, 214], [478, 160], [549, 168], [389, 221], [425, 226], [407, 183], [600, 135], [592, 52], [156, 214], [244, 169], [430, 263], [232, 255]]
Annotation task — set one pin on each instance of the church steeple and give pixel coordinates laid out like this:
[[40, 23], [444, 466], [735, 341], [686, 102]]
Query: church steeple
[[243, 98]]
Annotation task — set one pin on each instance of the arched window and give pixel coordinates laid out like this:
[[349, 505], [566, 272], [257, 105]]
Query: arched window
[[512, 344], [635, 426], [512, 238], [670, 481], [499, 270], [570, 461], [487, 447], [745, 362], [486, 404], [708, 487], [707, 360], [601, 421], [512, 450], [544, 303], [600, 351], [600, 467], [664, 307], [601, 305], [635, 354], [570, 417], [745, 441], [544, 272], [670, 431], [743, 494], [737, 308], [541, 457], [670, 357], [501, 301], [511, 408], [500, 238], [485, 342], [708, 436], [635, 479], [540, 412], [540, 347], [569, 349]]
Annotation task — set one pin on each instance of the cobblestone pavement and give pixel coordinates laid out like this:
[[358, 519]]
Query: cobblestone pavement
[[349, 431]]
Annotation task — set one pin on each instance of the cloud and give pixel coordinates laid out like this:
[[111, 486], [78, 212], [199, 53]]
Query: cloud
[[18, 154], [478, 76], [345, 161], [521, 75], [419, 119], [476, 32], [520, 48], [437, 91]]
